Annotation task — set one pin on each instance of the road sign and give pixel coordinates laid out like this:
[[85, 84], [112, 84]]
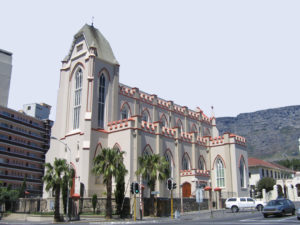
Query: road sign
[[154, 192]]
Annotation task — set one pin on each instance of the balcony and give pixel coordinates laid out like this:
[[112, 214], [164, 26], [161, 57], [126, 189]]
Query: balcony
[[14, 130], [5, 139], [3, 151], [19, 178], [21, 167], [12, 117]]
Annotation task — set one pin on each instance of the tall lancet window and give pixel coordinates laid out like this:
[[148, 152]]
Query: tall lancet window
[[77, 98], [220, 173], [101, 101]]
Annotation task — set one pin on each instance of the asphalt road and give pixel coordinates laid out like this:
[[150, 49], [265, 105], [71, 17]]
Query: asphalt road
[[249, 218]]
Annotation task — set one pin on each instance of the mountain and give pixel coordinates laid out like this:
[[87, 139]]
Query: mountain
[[271, 134]]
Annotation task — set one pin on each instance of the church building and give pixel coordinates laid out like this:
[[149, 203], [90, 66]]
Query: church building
[[95, 111]]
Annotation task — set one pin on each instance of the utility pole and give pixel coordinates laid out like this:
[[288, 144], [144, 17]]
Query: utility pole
[[172, 216], [134, 207]]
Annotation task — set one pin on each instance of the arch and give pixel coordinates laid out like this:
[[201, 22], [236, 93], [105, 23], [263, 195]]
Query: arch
[[186, 162], [102, 84], [206, 132], [146, 113], [105, 72], [218, 156], [77, 65], [186, 189], [194, 128], [77, 93], [168, 151], [243, 172], [201, 163], [125, 106], [163, 120], [220, 173], [147, 150], [179, 124], [98, 147], [117, 146]]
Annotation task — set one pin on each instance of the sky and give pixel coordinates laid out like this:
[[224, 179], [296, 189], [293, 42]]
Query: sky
[[237, 56]]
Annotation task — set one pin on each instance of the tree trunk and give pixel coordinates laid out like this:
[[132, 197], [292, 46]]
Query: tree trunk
[[56, 204], [108, 198], [152, 210]]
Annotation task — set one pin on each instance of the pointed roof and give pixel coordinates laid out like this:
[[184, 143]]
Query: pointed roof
[[95, 39]]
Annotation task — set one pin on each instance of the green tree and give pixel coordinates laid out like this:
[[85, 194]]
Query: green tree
[[54, 177], [108, 163], [265, 183], [22, 189], [94, 202], [153, 167], [120, 191]]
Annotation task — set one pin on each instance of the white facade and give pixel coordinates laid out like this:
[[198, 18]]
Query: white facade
[[5, 76], [95, 111]]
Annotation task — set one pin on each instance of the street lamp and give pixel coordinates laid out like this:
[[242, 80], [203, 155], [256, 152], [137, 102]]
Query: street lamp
[[69, 162]]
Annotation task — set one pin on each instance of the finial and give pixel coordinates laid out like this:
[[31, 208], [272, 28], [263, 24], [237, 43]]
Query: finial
[[212, 112], [92, 21]]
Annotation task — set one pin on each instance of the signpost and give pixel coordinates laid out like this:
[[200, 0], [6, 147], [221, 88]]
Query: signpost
[[199, 196]]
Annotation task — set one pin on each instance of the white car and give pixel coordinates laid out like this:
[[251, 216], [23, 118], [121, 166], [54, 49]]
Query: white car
[[237, 203]]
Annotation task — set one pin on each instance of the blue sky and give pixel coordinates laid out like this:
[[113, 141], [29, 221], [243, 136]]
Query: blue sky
[[238, 56]]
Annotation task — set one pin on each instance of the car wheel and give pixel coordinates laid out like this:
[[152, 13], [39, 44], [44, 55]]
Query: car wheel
[[293, 212], [265, 215], [234, 209], [259, 208], [298, 218]]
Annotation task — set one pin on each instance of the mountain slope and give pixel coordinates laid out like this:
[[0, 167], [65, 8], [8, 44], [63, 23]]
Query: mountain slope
[[270, 133]]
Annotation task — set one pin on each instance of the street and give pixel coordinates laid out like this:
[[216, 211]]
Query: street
[[222, 218]]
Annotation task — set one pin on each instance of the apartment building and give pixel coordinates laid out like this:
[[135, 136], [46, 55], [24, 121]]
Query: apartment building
[[24, 141]]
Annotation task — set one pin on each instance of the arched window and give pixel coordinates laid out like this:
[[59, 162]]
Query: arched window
[[163, 121], [101, 101], [146, 116], [179, 125], [242, 173], [220, 173], [169, 159], [147, 151], [77, 98], [185, 162], [124, 113], [201, 163]]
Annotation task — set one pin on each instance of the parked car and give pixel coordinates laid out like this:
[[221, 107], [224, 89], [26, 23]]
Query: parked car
[[237, 203], [298, 214], [279, 207]]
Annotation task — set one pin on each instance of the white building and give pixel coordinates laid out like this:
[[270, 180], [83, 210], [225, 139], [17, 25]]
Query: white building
[[95, 111], [5, 76]]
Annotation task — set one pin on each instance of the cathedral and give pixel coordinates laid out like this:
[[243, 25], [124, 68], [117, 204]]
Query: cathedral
[[95, 111]]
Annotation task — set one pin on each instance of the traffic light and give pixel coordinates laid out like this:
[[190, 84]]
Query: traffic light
[[170, 184], [174, 185], [131, 188], [136, 188]]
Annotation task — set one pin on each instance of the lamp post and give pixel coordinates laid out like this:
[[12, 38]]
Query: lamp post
[[69, 162]]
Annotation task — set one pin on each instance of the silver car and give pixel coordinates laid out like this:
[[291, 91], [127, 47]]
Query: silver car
[[279, 207]]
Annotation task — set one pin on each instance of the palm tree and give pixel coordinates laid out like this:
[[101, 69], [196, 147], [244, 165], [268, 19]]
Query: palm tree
[[152, 167], [55, 176], [109, 163]]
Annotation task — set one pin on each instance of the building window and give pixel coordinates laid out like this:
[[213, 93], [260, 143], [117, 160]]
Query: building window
[[168, 158], [124, 113], [242, 173], [263, 172], [220, 173], [201, 164], [185, 162], [145, 117], [101, 101], [77, 98]]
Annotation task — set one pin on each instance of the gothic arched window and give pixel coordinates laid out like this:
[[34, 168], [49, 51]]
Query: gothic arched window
[[124, 113], [77, 98], [201, 164], [242, 173], [101, 101], [169, 159], [220, 173], [185, 162]]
